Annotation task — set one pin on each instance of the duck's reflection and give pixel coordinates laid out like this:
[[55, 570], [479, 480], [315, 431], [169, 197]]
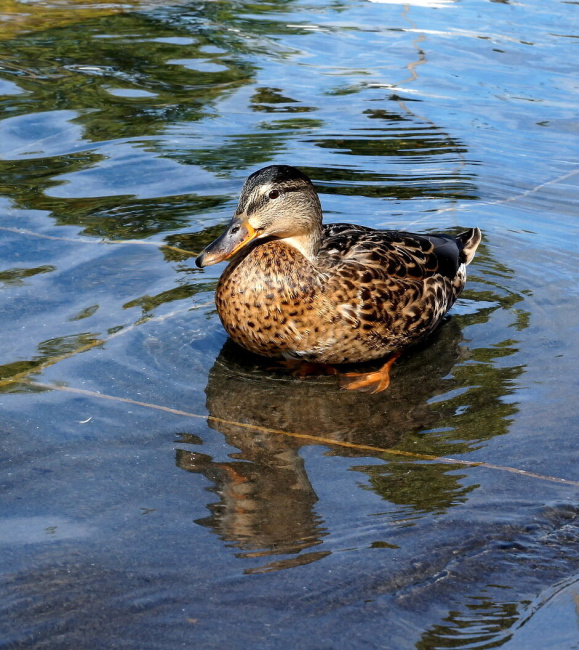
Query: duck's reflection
[[241, 388], [266, 500]]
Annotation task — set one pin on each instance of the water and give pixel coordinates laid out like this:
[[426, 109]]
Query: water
[[218, 503]]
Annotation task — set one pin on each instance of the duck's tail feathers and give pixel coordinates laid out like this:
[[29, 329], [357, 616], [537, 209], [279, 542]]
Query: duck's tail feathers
[[468, 242]]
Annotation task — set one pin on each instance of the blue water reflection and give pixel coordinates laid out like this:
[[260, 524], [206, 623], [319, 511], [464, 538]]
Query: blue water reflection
[[162, 488]]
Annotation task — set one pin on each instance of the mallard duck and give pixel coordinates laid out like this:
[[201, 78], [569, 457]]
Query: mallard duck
[[298, 289]]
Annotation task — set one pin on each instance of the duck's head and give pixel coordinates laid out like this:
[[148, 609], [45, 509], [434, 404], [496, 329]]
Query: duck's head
[[276, 202]]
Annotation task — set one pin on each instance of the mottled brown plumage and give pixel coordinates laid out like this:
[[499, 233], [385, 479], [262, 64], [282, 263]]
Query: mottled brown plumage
[[339, 293]]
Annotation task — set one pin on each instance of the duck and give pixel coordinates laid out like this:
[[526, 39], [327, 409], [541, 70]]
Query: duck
[[305, 292]]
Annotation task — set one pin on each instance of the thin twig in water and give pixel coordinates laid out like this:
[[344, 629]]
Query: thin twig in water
[[510, 199], [305, 436], [161, 245]]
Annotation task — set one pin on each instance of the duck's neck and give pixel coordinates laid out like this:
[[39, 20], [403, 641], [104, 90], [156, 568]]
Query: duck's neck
[[307, 244]]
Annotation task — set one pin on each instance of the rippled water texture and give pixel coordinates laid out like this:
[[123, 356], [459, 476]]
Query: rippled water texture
[[159, 488]]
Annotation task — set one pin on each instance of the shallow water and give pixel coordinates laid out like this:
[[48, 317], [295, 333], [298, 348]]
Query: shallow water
[[161, 489]]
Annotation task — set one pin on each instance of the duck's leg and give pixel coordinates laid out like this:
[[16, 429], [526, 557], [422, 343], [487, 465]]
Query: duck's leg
[[369, 382], [302, 369]]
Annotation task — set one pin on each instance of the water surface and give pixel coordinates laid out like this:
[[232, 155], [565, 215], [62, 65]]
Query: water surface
[[160, 488]]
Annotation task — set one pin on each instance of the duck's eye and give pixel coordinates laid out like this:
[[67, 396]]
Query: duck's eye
[[274, 194]]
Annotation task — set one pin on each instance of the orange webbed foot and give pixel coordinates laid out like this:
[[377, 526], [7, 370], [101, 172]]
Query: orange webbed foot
[[369, 382]]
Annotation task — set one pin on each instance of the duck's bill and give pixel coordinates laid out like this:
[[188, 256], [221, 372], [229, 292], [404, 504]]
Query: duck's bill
[[238, 234]]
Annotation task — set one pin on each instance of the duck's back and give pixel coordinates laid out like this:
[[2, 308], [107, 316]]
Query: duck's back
[[391, 287]]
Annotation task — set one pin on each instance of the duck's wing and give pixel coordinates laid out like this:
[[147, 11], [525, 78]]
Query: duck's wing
[[397, 254], [393, 286]]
